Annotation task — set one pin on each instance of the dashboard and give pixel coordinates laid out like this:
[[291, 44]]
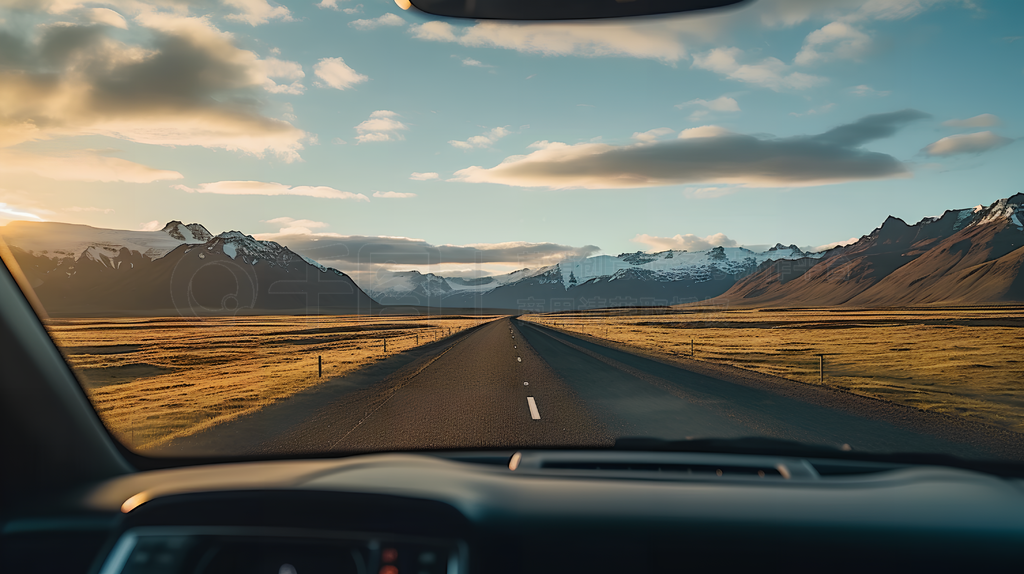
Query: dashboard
[[535, 511]]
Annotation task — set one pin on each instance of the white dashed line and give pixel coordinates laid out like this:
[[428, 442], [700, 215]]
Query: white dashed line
[[534, 413]]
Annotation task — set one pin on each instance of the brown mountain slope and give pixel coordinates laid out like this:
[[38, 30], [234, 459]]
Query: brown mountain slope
[[967, 256], [975, 265]]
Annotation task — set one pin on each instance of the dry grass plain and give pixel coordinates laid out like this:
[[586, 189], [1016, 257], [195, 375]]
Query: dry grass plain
[[966, 362], [154, 379]]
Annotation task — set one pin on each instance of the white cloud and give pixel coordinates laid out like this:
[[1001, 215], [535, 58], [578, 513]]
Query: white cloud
[[719, 104], [270, 188], [207, 93], [481, 141], [828, 246], [770, 73], [333, 5], [154, 225], [708, 192], [256, 12], [417, 176], [292, 226], [863, 90], [475, 63], [339, 141], [704, 132], [687, 242], [393, 194], [82, 165], [380, 127], [108, 17], [283, 69], [966, 143], [652, 135], [648, 40], [388, 19], [707, 154], [12, 212], [786, 13], [981, 121], [336, 74], [834, 40]]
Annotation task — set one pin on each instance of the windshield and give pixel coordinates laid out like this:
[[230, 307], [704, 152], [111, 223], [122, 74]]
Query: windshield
[[260, 228]]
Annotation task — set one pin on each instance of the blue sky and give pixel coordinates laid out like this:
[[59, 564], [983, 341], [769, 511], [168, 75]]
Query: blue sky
[[569, 139]]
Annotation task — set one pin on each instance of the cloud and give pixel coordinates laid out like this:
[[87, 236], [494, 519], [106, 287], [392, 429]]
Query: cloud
[[475, 63], [981, 121], [481, 141], [863, 90], [388, 19], [688, 242], [770, 73], [12, 212], [651, 40], [189, 84], [651, 136], [108, 17], [393, 195], [291, 221], [270, 188], [347, 252], [719, 104], [283, 69], [708, 192], [828, 246], [966, 143], [256, 12], [786, 13], [845, 41], [82, 165], [154, 225], [380, 127], [336, 74], [708, 154], [296, 226], [417, 176]]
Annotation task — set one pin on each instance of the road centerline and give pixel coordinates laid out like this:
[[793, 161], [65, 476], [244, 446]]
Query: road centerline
[[534, 413]]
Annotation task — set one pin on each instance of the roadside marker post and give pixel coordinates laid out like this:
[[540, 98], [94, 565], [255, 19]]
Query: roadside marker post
[[319, 366], [821, 368]]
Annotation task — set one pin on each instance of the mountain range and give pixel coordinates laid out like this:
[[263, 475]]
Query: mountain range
[[180, 270], [966, 257], [963, 257]]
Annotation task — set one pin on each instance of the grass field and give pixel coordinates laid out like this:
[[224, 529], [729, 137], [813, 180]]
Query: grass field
[[154, 379], [965, 362]]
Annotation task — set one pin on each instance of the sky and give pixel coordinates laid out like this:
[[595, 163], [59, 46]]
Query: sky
[[337, 125]]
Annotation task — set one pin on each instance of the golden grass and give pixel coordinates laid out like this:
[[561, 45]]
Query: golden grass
[[154, 379], [964, 362]]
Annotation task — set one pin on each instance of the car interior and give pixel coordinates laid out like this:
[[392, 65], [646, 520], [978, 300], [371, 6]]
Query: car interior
[[75, 499]]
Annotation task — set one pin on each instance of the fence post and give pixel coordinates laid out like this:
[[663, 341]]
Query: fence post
[[385, 339], [821, 368], [691, 347], [319, 366]]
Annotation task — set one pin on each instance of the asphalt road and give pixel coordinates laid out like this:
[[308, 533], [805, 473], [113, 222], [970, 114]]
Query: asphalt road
[[510, 384]]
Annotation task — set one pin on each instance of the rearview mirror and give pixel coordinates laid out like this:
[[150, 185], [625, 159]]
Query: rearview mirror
[[558, 9]]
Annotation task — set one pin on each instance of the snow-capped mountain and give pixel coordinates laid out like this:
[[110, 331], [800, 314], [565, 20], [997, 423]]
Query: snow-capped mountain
[[182, 269], [965, 256], [664, 278]]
